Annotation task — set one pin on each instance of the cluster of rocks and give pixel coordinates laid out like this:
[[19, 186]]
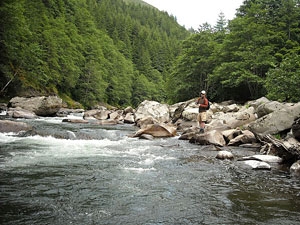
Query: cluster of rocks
[[229, 124]]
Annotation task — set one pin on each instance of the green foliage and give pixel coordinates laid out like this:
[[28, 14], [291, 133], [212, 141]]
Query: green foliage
[[122, 52], [91, 51], [196, 61], [283, 81], [246, 59]]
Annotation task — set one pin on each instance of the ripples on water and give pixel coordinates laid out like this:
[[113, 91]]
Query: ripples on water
[[121, 180]]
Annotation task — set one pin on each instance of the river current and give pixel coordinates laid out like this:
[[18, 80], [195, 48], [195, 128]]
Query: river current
[[109, 178]]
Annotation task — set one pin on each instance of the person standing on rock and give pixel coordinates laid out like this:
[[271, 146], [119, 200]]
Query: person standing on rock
[[202, 102]]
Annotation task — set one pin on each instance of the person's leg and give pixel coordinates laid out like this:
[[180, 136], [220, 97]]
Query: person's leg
[[202, 122], [199, 120]]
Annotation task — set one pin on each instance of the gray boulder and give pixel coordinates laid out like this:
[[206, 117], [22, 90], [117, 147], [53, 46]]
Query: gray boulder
[[158, 111], [7, 126], [268, 107], [129, 118], [257, 165], [276, 121], [256, 103], [145, 121], [231, 134], [209, 138], [264, 158], [157, 130], [245, 137], [20, 113], [41, 106], [295, 168], [99, 114], [225, 155]]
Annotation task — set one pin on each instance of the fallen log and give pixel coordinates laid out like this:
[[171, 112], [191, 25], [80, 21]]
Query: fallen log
[[289, 152]]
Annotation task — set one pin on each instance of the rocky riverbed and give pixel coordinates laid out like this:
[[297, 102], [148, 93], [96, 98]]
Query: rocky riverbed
[[270, 126]]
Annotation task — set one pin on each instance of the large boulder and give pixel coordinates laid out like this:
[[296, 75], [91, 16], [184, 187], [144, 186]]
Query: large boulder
[[241, 118], [145, 121], [177, 109], [41, 106], [276, 121], [230, 108], [245, 137], [256, 103], [190, 113], [268, 107], [157, 130], [236, 119], [209, 138], [99, 114], [129, 118], [158, 111], [63, 112], [20, 113], [231, 134], [7, 126]]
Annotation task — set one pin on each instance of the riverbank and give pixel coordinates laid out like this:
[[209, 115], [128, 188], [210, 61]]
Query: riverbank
[[229, 124]]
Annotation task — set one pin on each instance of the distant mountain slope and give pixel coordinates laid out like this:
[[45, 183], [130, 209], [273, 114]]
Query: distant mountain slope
[[116, 52]]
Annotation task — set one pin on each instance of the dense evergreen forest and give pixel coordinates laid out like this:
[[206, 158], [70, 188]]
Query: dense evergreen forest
[[256, 54], [121, 52], [91, 51]]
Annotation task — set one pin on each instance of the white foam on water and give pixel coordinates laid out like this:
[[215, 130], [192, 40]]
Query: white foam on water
[[57, 120], [139, 169], [7, 137], [151, 159], [39, 149], [3, 113]]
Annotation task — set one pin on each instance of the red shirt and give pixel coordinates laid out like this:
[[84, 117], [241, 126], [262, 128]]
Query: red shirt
[[203, 104]]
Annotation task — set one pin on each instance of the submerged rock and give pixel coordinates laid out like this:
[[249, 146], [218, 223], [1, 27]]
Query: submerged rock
[[224, 155], [295, 168], [257, 165], [263, 158]]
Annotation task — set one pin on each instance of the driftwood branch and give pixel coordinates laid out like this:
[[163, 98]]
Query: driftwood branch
[[287, 151], [2, 90], [15, 74]]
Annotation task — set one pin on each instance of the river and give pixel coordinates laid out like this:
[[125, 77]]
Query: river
[[110, 178]]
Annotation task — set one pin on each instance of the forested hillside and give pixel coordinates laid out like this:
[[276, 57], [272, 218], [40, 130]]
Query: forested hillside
[[122, 52], [256, 54], [92, 51]]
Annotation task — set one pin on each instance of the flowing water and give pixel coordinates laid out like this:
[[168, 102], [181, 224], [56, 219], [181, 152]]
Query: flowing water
[[110, 178]]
